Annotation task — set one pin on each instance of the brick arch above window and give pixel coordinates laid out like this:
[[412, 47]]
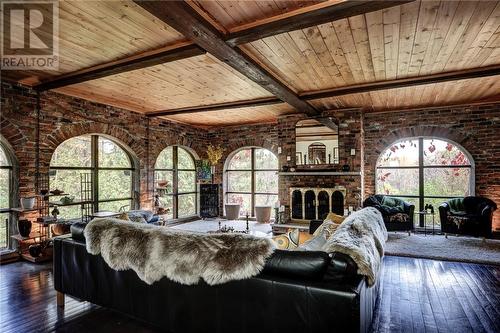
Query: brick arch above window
[[438, 132], [131, 144]]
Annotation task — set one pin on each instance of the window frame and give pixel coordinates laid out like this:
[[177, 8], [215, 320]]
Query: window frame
[[95, 168], [253, 170], [10, 189], [421, 167], [175, 180]]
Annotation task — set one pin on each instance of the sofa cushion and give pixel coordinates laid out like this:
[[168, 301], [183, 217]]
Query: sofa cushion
[[310, 265]]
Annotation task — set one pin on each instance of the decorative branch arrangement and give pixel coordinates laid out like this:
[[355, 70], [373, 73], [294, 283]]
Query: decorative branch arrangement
[[214, 154]]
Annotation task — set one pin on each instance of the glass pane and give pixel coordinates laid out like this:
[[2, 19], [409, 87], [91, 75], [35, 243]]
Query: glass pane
[[3, 158], [67, 181], [187, 181], [69, 212], [184, 159], [266, 182], [265, 159], [245, 201], [265, 200], [241, 160], [111, 155], [74, 152], [402, 153], [447, 182], [115, 206], [187, 205], [4, 188], [439, 152], [239, 181], [164, 160], [167, 202], [4, 220], [114, 184], [397, 181], [164, 181]]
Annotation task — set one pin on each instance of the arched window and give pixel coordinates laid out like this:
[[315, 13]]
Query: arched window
[[251, 179], [175, 182], [5, 195], [425, 171], [109, 165]]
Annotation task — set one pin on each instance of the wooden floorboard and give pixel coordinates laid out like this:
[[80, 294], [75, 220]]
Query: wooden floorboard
[[416, 295]]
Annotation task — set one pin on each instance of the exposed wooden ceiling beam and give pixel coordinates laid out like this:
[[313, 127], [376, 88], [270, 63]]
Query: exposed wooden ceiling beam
[[137, 61], [217, 107], [180, 16], [360, 88], [307, 17], [405, 82]]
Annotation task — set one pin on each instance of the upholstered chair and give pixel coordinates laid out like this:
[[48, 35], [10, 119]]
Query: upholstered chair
[[470, 216], [397, 213]]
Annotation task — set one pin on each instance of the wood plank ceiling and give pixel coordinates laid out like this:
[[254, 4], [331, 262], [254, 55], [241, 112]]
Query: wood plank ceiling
[[414, 39]]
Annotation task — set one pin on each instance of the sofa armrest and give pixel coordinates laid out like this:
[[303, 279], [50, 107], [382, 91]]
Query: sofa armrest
[[444, 208], [77, 231], [309, 265]]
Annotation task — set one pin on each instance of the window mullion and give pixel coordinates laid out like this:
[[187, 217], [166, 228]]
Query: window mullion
[[252, 161], [175, 184], [94, 156], [421, 179]]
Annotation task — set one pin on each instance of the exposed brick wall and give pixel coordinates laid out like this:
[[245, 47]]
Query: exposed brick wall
[[476, 128], [282, 134], [63, 117]]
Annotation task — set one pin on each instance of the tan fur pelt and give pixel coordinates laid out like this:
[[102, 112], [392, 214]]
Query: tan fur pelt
[[156, 252], [361, 236]]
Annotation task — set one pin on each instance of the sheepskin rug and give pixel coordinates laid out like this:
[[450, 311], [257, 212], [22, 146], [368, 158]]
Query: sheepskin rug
[[156, 252], [361, 236]]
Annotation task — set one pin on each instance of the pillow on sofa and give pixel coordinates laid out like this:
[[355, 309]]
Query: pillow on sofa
[[137, 219], [123, 216], [326, 227], [335, 218], [287, 241]]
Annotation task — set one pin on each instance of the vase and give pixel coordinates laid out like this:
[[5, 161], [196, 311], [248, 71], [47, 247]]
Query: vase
[[35, 250], [27, 203], [24, 227]]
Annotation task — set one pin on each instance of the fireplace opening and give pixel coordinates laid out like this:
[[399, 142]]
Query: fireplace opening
[[310, 205], [323, 204], [338, 203], [296, 204]]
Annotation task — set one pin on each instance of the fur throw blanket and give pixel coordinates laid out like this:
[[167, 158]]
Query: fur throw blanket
[[154, 252], [361, 236]]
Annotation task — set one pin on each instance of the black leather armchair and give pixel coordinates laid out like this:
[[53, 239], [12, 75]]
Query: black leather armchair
[[470, 216], [397, 213]]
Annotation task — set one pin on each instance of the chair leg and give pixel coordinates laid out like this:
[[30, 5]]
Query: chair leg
[[60, 299], [445, 235], [409, 232]]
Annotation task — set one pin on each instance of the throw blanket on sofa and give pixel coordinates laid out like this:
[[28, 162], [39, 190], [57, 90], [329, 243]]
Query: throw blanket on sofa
[[361, 236], [154, 252]]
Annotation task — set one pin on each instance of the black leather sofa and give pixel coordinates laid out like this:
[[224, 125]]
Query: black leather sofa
[[296, 292], [470, 216]]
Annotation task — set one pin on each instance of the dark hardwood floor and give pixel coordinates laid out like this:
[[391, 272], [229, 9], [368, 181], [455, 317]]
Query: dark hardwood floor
[[417, 295]]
